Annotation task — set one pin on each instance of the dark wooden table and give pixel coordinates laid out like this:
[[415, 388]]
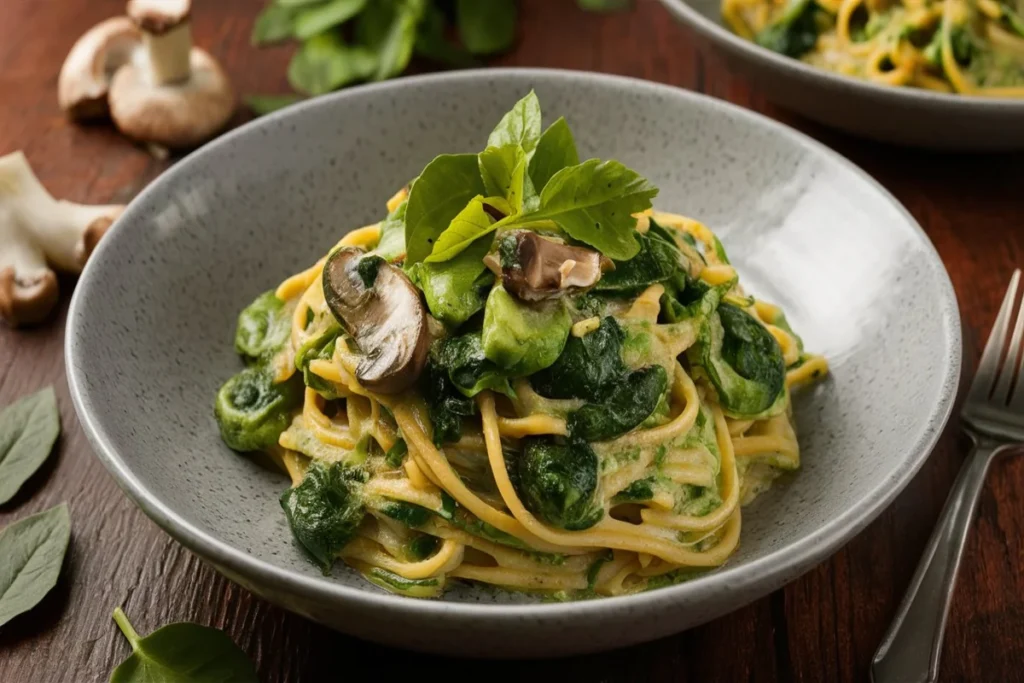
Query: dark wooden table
[[823, 627]]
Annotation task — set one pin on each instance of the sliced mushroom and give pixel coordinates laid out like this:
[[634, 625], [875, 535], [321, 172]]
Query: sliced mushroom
[[545, 269], [84, 79], [381, 308], [173, 94]]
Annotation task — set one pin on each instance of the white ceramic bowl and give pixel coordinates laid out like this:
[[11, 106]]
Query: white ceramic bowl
[[908, 116], [151, 325]]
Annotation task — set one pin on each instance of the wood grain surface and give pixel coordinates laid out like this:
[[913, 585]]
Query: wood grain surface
[[823, 627]]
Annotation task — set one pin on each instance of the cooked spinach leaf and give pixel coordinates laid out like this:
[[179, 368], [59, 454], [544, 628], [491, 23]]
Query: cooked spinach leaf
[[407, 513], [445, 403], [391, 246], [638, 491], [414, 588], [631, 402], [588, 367], [522, 338], [263, 328], [181, 653], [252, 410], [325, 509], [558, 482], [28, 429], [468, 368], [320, 347], [743, 362], [794, 33], [396, 454], [656, 261], [31, 554]]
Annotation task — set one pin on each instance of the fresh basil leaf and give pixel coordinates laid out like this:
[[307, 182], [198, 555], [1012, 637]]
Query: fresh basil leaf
[[395, 49], [31, 554], [274, 24], [486, 27], [556, 150], [472, 223], [391, 245], [181, 653], [433, 44], [266, 104], [520, 126], [325, 63], [594, 202], [442, 190], [456, 289], [28, 429], [319, 18], [503, 170]]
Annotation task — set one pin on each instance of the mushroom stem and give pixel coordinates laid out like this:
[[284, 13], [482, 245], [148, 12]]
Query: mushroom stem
[[168, 54], [64, 232]]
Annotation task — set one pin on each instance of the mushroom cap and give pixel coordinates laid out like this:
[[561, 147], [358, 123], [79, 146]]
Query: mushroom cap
[[158, 16], [175, 115], [547, 269], [28, 299], [94, 58], [388, 320], [94, 232]]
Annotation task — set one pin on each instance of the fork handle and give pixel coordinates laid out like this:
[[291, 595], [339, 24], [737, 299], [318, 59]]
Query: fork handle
[[910, 651]]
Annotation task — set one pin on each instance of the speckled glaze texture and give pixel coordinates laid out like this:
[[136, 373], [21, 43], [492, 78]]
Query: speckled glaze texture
[[906, 116], [150, 335]]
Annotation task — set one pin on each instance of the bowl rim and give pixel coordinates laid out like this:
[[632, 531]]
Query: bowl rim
[[750, 50], [760, 576]]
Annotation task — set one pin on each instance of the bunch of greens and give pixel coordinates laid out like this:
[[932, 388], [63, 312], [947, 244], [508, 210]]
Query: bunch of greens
[[347, 41]]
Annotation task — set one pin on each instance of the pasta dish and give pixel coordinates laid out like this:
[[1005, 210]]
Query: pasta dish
[[968, 47], [523, 376]]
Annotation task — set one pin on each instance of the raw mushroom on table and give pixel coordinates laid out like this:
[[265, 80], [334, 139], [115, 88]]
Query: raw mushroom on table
[[143, 71]]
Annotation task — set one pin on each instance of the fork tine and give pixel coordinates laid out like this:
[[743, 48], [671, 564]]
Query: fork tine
[[985, 378], [1008, 371]]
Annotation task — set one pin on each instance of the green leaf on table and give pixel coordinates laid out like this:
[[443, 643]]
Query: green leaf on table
[[266, 104], [556, 150], [503, 170], [322, 17], [456, 290], [520, 126], [603, 5], [181, 653], [28, 429], [274, 24], [486, 26], [325, 63], [469, 225], [594, 202], [31, 554], [442, 190], [296, 3], [394, 49], [433, 44]]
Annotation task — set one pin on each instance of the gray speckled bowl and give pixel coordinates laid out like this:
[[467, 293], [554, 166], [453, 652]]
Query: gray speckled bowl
[[150, 333], [907, 116]]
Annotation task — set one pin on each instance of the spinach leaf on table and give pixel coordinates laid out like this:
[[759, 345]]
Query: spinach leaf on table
[[31, 554], [181, 653], [325, 63], [486, 26], [275, 23], [395, 46], [28, 429], [321, 17]]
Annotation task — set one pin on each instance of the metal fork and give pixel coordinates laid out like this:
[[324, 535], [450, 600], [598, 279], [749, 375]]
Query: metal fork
[[993, 416]]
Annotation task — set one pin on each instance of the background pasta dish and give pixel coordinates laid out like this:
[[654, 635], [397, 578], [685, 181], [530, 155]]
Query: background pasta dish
[[522, 376], [970, 47]]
